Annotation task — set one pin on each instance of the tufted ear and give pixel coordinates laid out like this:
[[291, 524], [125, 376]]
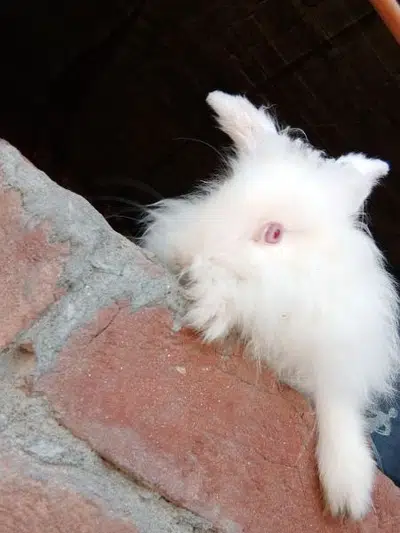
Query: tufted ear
[[364, 174], [245, 124]]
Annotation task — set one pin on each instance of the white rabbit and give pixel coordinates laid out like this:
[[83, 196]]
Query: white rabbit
[[276, 250]]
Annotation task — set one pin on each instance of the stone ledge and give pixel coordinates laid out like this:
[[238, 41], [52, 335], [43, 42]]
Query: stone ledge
[[94, 368]]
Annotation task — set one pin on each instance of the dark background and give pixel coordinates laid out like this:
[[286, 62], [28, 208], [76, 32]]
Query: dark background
[[100, 93]]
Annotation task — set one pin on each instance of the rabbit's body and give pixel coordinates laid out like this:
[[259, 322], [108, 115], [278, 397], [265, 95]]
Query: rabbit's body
[[275, 251]]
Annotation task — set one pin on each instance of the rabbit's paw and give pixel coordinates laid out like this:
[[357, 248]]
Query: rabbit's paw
[[348, 484]]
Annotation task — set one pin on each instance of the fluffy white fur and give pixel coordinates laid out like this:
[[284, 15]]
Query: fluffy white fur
[[318, 307]]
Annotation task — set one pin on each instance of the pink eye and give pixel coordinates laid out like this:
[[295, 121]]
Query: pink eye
[[272, 233]]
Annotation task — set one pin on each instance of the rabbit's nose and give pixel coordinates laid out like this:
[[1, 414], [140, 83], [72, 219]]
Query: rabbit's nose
[[184, 279]]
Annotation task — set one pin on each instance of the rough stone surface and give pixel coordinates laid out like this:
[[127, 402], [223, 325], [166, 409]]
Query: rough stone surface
[[48, 452], [115, 419], [30, 506], [30, 267], [207, 431], [102, 264]]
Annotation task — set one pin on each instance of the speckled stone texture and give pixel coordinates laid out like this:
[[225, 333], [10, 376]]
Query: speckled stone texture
[[114, 418]]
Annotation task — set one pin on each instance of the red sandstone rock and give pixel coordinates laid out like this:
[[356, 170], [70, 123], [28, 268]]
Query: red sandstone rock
[[30, 267], [209, 432], [29, 506]]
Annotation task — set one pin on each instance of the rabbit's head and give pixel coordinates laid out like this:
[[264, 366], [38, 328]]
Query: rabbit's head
[[280, 206]]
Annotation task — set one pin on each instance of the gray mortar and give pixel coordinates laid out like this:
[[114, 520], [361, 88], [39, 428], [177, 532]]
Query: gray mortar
[[103, 266], [55, 456]]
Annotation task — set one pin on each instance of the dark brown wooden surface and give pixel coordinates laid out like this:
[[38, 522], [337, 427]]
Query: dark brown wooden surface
[[97, 93]]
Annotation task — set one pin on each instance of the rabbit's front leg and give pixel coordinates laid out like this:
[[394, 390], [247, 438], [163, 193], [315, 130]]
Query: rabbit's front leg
[[211, 295], [345, 461]]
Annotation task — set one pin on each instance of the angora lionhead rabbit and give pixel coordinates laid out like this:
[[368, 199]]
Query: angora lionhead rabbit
[[275, 250]]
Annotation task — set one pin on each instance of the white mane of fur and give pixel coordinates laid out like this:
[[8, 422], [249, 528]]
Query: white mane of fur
[[318, 307]]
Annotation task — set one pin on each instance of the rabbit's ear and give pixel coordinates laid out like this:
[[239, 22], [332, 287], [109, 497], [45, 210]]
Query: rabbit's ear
[[368, 173], [245, 124]]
